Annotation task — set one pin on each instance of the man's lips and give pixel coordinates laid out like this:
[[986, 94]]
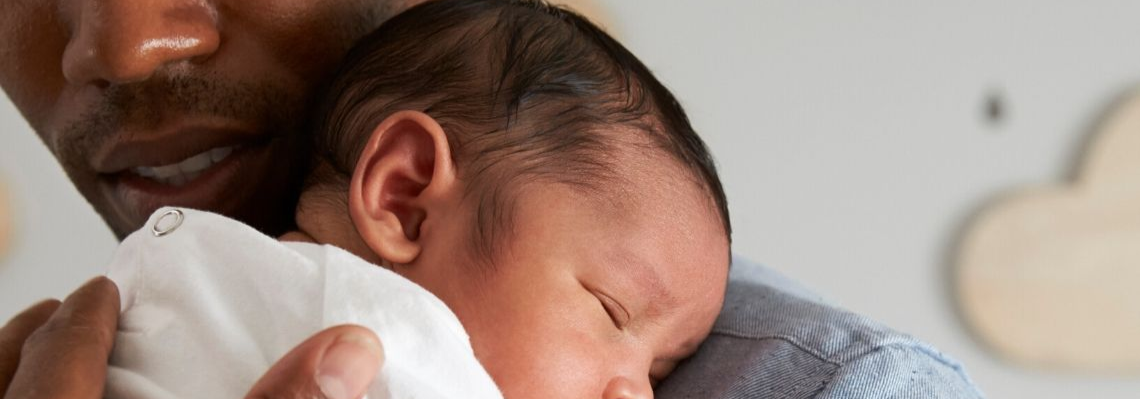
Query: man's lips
[[169, 149], [224, 187], [143, 190], [212, 169], [188, 169]]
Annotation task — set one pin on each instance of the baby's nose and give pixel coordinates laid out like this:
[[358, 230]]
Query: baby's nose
[[625, 388]]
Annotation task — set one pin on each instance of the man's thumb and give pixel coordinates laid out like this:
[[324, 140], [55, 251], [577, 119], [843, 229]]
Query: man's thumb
[[337, 363]]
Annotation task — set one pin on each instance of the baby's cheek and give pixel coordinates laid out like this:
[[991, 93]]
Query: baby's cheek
[[546, 363]]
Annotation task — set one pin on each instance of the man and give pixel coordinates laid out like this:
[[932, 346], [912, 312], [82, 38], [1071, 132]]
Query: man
[[198, 103], [128, 94]]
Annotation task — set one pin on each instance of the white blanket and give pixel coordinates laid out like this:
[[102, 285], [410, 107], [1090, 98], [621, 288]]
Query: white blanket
[[209, 306]]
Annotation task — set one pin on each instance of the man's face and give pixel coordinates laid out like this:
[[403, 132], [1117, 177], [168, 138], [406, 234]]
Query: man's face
[[195, 103]]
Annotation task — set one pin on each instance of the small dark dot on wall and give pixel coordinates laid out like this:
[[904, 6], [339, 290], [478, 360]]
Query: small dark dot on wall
[[995, 108]]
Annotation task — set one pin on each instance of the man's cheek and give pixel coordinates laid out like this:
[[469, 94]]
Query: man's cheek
[[32, 41]]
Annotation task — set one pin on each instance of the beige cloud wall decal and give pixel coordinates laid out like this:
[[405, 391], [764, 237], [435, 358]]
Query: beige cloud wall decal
[[1051, 276]]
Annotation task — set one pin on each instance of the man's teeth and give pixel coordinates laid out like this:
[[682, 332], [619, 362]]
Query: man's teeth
[[183, 172]]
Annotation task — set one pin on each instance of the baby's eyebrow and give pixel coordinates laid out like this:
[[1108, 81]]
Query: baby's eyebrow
[[647, 279]]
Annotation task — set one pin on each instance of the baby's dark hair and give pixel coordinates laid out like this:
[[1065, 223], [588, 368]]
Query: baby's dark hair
[[524, 91]]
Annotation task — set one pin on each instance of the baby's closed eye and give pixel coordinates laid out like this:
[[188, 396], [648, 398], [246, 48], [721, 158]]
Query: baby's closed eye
[[614, 309]]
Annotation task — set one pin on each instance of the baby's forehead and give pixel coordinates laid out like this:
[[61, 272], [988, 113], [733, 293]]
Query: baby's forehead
[[649, 217], [644, 180]]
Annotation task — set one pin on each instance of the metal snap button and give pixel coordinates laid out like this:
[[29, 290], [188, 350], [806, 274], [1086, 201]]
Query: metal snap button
[[167, 223]]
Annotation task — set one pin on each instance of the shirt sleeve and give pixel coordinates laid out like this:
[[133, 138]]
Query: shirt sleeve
[[901, 372]]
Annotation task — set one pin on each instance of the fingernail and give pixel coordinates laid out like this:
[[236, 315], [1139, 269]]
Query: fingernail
[[348, 366]]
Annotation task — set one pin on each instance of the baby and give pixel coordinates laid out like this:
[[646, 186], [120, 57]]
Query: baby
[[533, 197]]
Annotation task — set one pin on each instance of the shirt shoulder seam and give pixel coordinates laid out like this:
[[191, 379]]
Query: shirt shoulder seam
[[786, 338]]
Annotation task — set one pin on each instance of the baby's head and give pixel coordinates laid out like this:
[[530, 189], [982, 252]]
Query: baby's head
[[527, 169]]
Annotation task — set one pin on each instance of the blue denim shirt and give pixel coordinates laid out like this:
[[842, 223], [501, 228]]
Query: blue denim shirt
[[774, 339]]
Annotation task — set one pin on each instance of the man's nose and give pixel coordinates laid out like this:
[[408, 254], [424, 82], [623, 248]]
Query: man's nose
[[626, 388], [125, 41]]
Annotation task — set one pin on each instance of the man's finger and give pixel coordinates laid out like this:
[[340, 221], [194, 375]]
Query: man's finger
[[337, 363], [67, 356], [13, 335]]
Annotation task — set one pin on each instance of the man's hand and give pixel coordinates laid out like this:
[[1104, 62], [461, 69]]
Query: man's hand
[[60, 350], [337, 363], [13, 335], [64, 355]]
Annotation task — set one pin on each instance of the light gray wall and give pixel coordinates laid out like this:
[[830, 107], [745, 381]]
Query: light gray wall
[[58, 241], [849, 134]]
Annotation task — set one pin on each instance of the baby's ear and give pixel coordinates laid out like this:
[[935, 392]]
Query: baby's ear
[[404, 175]]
